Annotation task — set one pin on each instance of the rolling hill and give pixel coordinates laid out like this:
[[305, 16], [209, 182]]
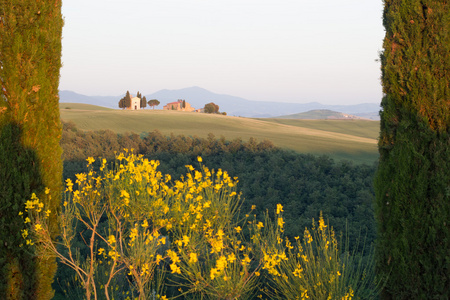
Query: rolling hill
[[320, 114], [233, 106], [342, 139]]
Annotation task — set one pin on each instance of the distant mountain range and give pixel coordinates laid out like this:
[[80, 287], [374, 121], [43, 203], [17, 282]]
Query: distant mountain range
[[233, 106]]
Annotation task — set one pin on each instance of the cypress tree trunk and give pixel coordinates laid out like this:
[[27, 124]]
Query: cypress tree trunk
[[30, 130], [413, 179]]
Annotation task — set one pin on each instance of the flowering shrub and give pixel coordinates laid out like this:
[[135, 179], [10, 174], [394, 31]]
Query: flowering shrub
[[313, 267], [190, 228]]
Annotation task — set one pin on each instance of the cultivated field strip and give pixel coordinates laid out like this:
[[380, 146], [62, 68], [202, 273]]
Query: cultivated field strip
[[347, 140]]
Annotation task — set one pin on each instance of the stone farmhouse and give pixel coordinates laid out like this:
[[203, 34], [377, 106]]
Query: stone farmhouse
[[178, 105]]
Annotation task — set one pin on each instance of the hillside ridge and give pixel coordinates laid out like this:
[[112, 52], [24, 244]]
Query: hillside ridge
[[350, 139], [322, 114], [232, 105]]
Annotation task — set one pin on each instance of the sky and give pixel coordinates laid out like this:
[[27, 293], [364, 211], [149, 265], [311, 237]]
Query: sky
[[264, 50]]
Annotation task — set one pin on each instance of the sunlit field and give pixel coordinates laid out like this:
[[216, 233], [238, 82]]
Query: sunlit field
[[341, 139]]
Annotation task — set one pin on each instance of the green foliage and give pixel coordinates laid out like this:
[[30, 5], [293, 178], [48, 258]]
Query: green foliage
[[188, 233], [30, 60], [415, 61], [143, 102], [125, 102], [149, 220], [211, 108], [78, 144], [315, 266], [153, 103], [304, 184], [122, 103], [412, 182], [20, 176]]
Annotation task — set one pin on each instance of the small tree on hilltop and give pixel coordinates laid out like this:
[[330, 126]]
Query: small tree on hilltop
[[143, 102], [211, 108], [127, 100], [122, 103], [153, 103]]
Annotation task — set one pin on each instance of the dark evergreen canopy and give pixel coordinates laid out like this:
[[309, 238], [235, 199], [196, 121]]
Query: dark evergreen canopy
[[30, 131], [413, 179]]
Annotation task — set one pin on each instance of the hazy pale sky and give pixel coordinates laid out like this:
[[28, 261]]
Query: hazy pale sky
[[268, 50]]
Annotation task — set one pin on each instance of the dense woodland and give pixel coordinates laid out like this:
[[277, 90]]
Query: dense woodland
[[305, 184]]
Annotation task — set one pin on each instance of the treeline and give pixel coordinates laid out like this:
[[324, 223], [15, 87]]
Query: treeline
[[304, 184], [78, 145]]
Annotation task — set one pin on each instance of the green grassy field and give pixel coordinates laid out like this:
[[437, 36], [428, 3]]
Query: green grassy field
[[362, 128], [81, 106], [319, 114], [341, 139]]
